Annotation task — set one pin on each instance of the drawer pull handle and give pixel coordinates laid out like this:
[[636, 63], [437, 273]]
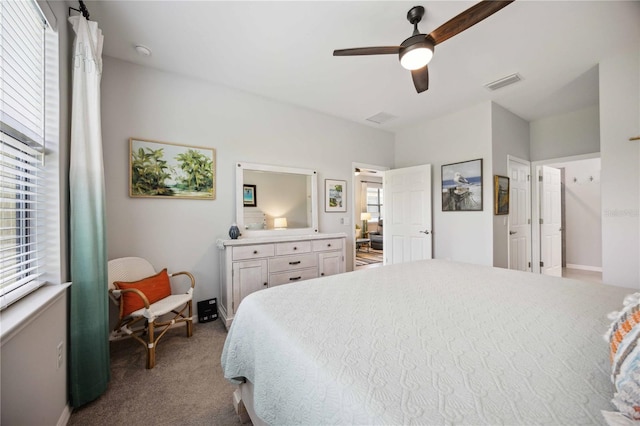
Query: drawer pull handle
[[295, 248], [297, 262], [322, 274], [329, 245], [255, 252], [294, 278], [266, 284]]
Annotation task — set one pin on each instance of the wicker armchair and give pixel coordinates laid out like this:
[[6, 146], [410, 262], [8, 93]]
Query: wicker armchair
[[133, 283]]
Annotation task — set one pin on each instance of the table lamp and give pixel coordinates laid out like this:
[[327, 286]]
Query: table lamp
[[364, 217], [280, 223]]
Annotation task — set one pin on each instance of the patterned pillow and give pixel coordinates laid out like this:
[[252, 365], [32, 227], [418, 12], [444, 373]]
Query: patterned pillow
[[624, 353], [155, 287]]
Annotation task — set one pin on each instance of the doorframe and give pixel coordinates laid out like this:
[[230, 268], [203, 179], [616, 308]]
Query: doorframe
[[535, 202], [529, 207], [355, 216]]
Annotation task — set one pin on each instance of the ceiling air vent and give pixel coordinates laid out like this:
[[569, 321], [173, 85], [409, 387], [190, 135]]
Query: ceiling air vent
[[381, 117], [505, 81]]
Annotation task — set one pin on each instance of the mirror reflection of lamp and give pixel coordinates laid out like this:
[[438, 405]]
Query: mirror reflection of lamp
[[280, 223], [364, 217]]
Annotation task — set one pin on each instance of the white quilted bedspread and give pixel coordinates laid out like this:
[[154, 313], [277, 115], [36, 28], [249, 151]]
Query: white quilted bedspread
[[430, 342]]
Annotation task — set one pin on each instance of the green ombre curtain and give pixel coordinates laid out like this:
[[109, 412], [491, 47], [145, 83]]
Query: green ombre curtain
[[89, 304]]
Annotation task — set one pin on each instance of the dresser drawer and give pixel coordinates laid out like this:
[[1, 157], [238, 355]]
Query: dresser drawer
[[324, 245], [253, 252], [293, 247], [287, 263], [292, 276]]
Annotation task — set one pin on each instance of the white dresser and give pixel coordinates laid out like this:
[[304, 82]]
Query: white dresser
[[252, 264]]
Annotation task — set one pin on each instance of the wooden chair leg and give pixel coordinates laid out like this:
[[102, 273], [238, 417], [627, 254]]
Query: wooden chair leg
[[151, 347], [190, 322]]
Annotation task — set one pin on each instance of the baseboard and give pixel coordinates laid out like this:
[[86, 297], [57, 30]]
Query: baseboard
[[65, 416], [584, 267]]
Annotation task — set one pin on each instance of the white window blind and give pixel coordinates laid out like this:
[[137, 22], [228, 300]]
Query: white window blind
[[22, 101], [374, 199]]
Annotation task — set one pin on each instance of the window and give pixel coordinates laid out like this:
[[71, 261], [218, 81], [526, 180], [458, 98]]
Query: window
[[374, 202], [22, 135]]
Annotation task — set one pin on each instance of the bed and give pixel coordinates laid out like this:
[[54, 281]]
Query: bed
[[428, 342]]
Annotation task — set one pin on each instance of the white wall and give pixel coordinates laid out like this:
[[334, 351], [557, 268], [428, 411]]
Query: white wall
[[461, 136], [181, 234], [34, 389], [510, 136], [566, 135], [619, 112], [583, 213]]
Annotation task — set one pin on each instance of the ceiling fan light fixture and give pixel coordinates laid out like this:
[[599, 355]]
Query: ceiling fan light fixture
[[416, 55]]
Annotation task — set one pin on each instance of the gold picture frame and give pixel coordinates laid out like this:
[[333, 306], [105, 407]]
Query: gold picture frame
[[500, 195], [169, 170]]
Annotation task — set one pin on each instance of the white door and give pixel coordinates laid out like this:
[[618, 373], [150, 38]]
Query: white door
[[550, 225], [407, 214], [519, 215]]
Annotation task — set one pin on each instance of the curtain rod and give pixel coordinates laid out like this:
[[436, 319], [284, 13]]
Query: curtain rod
[[83, 9]]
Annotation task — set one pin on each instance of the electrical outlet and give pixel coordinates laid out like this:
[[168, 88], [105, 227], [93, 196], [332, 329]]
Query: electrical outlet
[[60, 353]]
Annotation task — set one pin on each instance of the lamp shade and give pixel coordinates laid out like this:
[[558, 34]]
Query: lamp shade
[[365, 216], [280, 222]]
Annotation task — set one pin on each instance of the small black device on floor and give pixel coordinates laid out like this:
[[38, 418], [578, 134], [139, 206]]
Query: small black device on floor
[[208, 310]]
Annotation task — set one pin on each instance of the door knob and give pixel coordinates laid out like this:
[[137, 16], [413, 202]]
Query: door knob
[[513, 232], [426, 232]]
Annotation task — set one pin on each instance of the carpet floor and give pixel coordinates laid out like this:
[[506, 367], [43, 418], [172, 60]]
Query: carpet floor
[[185, 387], [367, 258]]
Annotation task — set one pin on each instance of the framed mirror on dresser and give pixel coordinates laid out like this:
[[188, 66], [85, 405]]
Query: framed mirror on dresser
[[277, 213], [274, 200]]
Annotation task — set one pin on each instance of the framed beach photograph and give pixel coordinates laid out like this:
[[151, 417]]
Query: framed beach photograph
[[169, 170], [462, 186], [249, 196], [500, 194], [335, 195]]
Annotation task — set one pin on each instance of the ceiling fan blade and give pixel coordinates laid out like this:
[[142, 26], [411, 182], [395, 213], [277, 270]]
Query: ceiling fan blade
[[467, 19], [421, 79], [380, 50]]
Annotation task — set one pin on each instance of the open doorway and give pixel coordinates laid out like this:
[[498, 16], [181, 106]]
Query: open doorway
[[570, 218], [368, 207]]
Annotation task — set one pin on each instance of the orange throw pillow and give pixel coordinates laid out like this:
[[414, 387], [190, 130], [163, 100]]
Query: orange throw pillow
[[155, 288]]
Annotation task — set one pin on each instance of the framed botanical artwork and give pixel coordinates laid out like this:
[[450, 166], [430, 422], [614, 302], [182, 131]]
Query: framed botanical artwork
[[500, 194], [462, 186], [335, 195], [168, 170], [249, 196]]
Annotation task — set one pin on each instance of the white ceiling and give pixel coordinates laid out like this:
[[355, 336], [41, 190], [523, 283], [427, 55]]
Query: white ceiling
[[283, 51]]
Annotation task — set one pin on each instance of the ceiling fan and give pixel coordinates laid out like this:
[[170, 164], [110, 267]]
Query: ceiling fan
[[416, 51]]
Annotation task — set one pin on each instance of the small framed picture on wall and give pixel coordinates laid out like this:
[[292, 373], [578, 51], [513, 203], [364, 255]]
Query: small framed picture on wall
[[335, 195], [249, 196]]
